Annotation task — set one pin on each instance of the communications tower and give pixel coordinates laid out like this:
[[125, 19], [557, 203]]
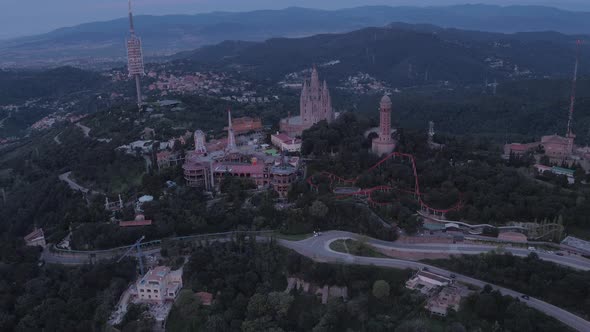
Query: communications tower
[[135, 57], [570, 132]]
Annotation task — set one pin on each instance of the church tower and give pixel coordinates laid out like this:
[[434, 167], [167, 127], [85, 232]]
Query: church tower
[[315, 103]]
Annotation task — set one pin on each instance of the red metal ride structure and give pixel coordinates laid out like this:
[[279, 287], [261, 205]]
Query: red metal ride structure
[[367, 192]]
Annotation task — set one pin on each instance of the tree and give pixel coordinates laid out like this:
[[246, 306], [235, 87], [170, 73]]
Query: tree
[[318, 209], [381, 289]]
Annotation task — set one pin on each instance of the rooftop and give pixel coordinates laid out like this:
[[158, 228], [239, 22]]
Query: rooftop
[[433, 276], [206, 298], [286, 138], [156, 274], [239, 168], [37, 233]]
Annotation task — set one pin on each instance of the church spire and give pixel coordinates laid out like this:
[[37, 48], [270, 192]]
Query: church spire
[[231, 138]]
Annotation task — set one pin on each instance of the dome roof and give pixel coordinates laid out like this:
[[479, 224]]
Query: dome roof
[[385, 101]]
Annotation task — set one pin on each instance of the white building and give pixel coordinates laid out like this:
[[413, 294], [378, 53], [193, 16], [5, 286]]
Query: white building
[[426, 282], [159, 284], [285, 142]]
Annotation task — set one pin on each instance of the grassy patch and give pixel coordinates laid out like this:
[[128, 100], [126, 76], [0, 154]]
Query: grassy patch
[[355, 248]]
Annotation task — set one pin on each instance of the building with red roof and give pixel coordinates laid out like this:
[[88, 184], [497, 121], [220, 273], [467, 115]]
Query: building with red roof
[[245, 125], [285, 142], [139, 221], [205, 298]]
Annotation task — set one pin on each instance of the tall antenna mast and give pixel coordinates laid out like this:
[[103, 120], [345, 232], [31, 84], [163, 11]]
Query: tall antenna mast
[[131, 25], [574, 86], [135, 58]]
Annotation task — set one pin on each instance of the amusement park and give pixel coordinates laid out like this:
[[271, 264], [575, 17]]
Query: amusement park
[[395, 180]]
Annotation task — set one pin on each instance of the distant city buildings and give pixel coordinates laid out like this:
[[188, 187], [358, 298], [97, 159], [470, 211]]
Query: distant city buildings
[[315, 106]]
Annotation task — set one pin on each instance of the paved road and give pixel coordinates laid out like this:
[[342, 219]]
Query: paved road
[[85, 129], [318, 249], [573, 261]]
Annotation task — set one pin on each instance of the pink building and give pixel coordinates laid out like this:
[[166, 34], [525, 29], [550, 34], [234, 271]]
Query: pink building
[[558, 148], [245, 125], [315, 105], [384, 144], [519, 149]]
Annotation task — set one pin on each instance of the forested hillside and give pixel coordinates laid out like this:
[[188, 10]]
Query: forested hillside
[[401, 55]]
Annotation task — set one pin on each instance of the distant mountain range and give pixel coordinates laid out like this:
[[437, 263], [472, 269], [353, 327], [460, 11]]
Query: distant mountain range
[[401, 54], [163, 35]]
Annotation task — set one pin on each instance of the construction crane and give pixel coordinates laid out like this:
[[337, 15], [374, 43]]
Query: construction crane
[[136, 245], [570, 120]]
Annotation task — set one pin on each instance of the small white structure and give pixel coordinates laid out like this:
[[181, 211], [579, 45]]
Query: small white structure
[[36, 238], [426, 282]]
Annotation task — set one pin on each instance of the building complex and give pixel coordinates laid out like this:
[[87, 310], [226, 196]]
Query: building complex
[[205, 170], [158, 285], [560, 150]]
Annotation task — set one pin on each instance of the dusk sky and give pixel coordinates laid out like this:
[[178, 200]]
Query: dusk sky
[[26, 17]]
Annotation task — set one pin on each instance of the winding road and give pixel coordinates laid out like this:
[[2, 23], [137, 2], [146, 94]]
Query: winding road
[[318, 249]]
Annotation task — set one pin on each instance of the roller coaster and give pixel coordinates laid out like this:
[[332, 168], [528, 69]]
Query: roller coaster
[[346, 187]]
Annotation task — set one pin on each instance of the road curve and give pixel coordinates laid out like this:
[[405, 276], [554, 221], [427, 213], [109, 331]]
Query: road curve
[[573, 261], [318, 249]]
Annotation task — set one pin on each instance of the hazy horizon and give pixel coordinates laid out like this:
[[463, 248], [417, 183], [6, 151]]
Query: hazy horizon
[[26, 17]]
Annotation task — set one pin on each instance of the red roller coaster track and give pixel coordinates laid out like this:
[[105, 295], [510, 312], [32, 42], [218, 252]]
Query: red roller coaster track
[[367, 192]]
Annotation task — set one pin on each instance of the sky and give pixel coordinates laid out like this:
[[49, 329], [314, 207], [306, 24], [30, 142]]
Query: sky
[[28, 17]]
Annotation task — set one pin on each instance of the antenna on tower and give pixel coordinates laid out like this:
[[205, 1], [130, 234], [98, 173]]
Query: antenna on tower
[[131, 25], [570, 120], [135, 58]]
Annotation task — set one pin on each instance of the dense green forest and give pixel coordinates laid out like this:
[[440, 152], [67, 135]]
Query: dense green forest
[[248, 281], [561, 286], [34, 298], [429, 54], [19, 86]]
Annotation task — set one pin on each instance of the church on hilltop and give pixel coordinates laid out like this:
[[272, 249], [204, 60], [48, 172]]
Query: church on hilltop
[[315, 106]]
